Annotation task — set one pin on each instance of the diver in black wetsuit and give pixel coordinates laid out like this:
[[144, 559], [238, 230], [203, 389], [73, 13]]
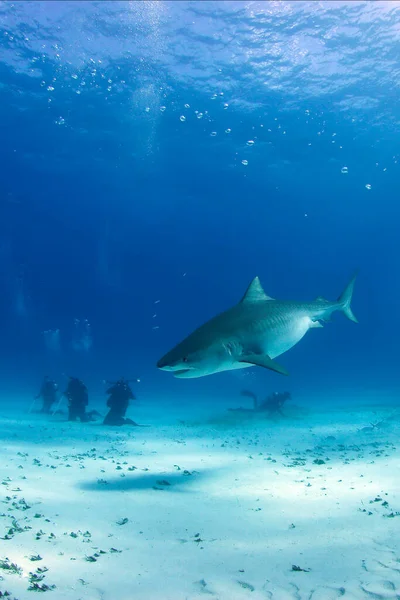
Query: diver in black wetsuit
[[273, 404], [48, 392], [120, 394], [77, 395]]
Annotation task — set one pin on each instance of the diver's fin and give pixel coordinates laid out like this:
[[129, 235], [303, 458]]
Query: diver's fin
[[255, 292], [345, 299], [263, 360], [315, 324]]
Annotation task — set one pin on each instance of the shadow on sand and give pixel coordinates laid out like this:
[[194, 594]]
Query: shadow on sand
[[173, 481]]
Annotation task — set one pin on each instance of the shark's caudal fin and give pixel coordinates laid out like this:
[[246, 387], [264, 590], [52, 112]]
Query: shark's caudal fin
[[345, 299]]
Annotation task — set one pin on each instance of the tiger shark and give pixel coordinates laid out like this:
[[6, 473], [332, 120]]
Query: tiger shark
[[253, 332]]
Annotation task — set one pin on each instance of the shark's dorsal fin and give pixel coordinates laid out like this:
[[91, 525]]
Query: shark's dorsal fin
[[320, 299], [255, 293]]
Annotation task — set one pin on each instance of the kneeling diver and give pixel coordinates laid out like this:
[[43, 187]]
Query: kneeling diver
[[120, 394], [77, 395]]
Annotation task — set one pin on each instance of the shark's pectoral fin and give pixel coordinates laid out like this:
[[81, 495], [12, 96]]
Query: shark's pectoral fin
[[263, 360]]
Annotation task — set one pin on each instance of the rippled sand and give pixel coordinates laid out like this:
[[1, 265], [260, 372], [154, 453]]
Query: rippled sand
[[304, 507]]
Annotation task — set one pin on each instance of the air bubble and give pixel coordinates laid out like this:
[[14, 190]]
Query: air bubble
[[344, 170], [226, 105], [74, 76], [200, 116], [250, 143], [245, 162], [182, 118], [50, 88], [187, 105], [147, 109], [162, 108], [368, 186], [228, 130], [213, 133]]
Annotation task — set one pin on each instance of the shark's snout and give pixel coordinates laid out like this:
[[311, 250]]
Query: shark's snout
[[163, 364], [178, 369]]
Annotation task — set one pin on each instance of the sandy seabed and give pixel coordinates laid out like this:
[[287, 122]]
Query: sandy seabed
[[304, 507]]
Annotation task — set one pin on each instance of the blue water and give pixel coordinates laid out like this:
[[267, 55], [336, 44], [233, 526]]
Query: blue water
[[156, 156]]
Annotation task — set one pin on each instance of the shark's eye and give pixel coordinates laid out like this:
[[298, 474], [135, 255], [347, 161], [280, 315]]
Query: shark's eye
[[185, 359]]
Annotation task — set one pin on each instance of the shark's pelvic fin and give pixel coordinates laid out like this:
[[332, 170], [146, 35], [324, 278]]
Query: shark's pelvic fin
[[315, 324], [255, 292], [263, 360], [345, 299]]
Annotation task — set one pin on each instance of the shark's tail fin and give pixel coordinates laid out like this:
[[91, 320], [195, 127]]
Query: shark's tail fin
[[345, 299]]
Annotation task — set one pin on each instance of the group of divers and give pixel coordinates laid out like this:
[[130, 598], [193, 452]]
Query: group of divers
[[76, 393], [119, 396]]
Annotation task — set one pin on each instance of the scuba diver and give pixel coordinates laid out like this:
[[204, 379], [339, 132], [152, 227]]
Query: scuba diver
[[120, 394], [77, 395], [272, 404], [48, 392]]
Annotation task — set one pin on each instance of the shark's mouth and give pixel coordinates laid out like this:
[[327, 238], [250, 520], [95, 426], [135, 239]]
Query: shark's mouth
[[177, 371], [184, 373], [180, 372]]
